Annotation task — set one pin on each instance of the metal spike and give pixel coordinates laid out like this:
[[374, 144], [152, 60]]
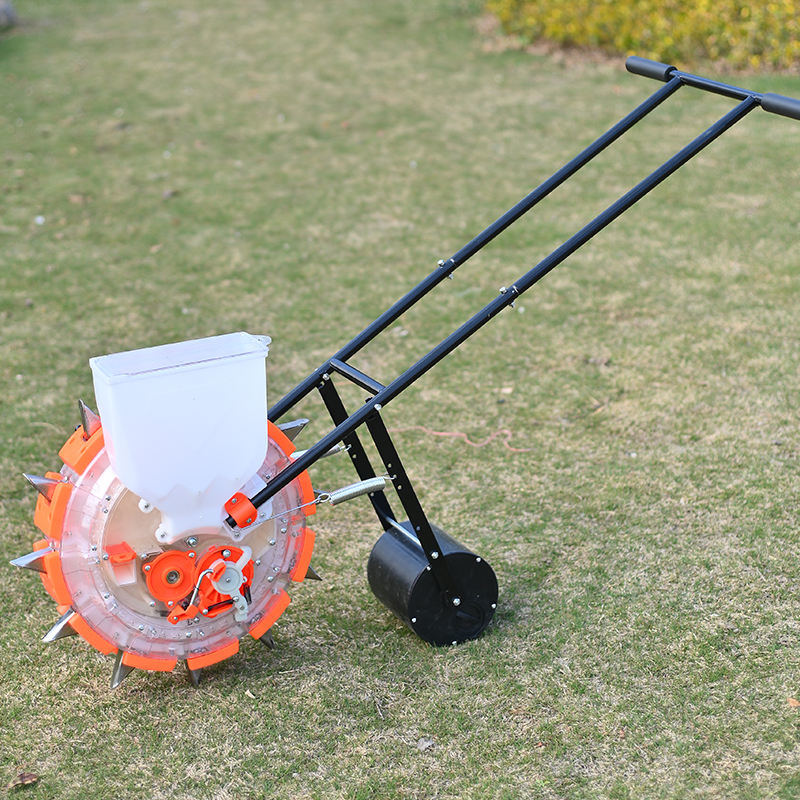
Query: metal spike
[[61, 629], [267, 640], [34, 560], [293, 428], [121, 671], [45, 486], [89, 419], [312, 574], [194, 675]]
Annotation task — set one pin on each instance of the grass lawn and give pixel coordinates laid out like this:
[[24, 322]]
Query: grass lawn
[[176, 170]]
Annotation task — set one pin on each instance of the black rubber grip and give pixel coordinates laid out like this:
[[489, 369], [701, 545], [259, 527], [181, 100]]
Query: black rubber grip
[[778, 104], [650, 69]]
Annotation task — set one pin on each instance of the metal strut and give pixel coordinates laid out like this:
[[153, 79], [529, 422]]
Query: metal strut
[[375, 403], [382, 394]]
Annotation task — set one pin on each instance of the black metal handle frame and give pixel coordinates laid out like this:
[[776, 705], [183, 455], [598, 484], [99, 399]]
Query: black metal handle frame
[[369, 413]]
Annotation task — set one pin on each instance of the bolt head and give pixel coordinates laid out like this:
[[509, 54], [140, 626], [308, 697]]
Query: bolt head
[[456, 601]]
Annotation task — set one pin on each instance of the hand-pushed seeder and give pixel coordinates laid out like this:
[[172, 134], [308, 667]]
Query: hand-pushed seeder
[[179, 518]]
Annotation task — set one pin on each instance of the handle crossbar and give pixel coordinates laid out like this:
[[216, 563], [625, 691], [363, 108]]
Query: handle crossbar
[[674, 79], [774, 103]]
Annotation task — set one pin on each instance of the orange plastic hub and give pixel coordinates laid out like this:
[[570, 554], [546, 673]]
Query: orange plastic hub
[[170, 576], [210, 560]]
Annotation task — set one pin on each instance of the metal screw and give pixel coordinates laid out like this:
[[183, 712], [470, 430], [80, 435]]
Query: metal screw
[[413, 619], [456, 601], [204, 611], [270, 578], [477, 559], [106, 596], [152, 604], [494, 605], [171, 603], [454, 641], [226, 553], [192, 554], [434, 554], [189, 635], [378, 406], [258, 562], [94, 548], [105, 556], [272, 541], [283, 530], [141, 627], [326, 377], [440, 262], [147, 567], [191, 541]]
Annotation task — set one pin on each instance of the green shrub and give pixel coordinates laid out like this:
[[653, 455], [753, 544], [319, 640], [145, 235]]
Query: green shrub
[[745, 35]]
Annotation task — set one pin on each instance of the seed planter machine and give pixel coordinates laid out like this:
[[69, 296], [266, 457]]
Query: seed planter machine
[[179, 519]]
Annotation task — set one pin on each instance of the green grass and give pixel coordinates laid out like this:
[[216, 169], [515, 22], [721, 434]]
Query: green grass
[[290, 169]]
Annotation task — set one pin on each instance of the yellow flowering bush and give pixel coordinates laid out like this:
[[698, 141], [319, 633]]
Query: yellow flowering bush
[[743, 34]]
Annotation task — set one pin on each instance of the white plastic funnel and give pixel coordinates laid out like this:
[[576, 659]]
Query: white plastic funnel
[[185, 424]]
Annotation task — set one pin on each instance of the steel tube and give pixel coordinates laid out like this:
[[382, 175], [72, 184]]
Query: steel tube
[[502, 301], [472, 247]]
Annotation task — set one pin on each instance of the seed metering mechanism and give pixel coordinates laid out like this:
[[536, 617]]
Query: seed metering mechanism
[[179, 519]]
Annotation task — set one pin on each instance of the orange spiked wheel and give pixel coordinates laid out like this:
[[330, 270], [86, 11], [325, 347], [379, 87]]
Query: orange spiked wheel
[[155, 605]]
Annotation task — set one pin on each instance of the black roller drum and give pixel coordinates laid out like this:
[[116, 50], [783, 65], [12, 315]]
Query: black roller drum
[[399, 576]]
